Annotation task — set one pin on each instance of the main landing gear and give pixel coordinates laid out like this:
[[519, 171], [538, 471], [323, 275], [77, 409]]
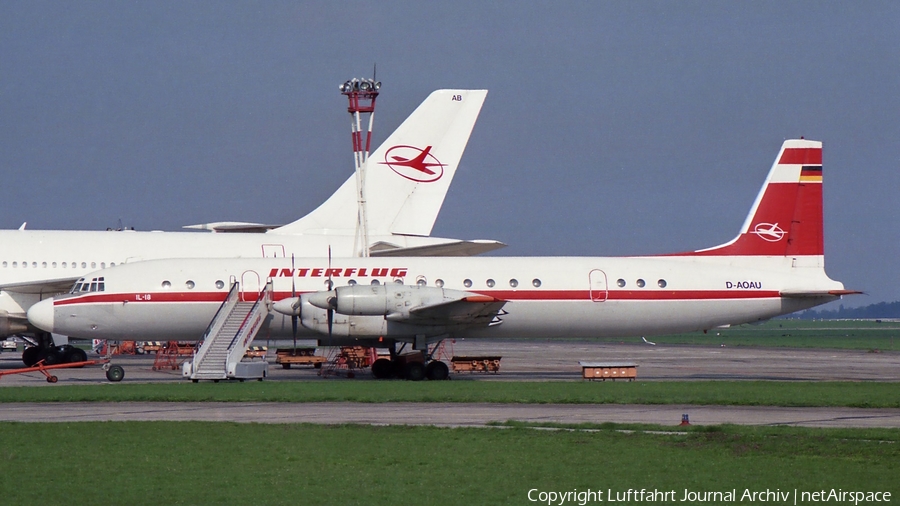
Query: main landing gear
[[43, 354], [44, 349], [413, 366]]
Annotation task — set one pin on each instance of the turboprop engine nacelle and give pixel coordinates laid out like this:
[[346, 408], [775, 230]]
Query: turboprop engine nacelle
[[392, 301], [371, 310]]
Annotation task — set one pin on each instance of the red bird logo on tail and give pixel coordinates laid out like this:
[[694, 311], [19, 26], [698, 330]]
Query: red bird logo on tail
[[414, 163]]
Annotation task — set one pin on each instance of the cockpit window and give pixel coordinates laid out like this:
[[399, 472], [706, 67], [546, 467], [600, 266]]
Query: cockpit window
[[94, 285]]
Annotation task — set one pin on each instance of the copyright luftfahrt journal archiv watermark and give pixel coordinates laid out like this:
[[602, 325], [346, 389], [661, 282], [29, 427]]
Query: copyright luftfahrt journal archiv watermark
[[745, 496]]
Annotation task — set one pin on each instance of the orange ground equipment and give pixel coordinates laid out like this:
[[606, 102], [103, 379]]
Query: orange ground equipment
[[299, 356], [608, 370], [114, 373], [464, 363], [167, 356], [347, 360]]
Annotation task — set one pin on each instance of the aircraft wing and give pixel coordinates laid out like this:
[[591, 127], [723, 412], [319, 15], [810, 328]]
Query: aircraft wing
[[234, 227], [446, 249], [473, 310], [48, 286]]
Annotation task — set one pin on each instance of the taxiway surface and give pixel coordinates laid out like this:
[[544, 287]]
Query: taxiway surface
[[529, 360]]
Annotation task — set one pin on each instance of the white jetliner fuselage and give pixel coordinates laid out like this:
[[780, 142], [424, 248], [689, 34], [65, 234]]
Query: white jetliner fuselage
[[36, 263], [406, 299]]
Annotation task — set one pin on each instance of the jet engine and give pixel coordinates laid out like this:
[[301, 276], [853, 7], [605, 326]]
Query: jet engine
[[10, 326]]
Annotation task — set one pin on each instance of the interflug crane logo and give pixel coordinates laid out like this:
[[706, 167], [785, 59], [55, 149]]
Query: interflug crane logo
[[769, 232], [414, 163]]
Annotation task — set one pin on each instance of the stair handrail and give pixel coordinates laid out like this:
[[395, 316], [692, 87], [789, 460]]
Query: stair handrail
[[217, 323], [260, 308]]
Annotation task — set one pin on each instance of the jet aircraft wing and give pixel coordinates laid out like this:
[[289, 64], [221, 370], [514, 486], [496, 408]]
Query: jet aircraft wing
[[445, 249], [46, 286], [233, 227]]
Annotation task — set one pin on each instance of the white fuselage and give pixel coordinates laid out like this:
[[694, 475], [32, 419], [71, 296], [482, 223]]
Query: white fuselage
[[43, 256], [546, 296]]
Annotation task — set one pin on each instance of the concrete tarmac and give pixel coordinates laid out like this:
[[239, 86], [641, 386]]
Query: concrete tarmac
[[545, 360], [522, 360], [445, 414]]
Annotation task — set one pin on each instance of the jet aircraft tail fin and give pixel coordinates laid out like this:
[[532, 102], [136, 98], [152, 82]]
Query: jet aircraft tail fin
[[786, 218], [408, 176]]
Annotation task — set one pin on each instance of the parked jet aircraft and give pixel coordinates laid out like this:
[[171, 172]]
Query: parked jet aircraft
[[401, 211], [774, 266]]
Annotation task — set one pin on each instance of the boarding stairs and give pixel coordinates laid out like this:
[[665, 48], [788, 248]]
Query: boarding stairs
[[228, 337]]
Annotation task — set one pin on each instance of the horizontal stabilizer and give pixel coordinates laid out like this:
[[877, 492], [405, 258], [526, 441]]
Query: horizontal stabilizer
[[820, 293]]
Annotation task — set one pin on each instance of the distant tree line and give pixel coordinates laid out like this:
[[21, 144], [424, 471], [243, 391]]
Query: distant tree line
[[872, 311]]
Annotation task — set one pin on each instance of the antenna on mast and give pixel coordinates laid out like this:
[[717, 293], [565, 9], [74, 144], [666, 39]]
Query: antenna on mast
[[361, 94]]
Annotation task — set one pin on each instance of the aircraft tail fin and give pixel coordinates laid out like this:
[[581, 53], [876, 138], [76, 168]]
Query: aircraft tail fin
[[408, 176], [786, 218]]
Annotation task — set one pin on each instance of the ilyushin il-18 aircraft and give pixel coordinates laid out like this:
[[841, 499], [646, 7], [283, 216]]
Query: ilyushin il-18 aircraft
[[401, 209], [774, 266]]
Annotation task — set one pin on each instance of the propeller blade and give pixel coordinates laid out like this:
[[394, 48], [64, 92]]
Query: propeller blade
[[330, 321]]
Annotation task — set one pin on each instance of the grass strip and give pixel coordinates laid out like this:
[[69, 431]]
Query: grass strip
[[229, 463], [737, 393], [865, 335]]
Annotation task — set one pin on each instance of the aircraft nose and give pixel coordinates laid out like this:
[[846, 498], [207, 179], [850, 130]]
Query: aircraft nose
[[286, 306], [41, 315]]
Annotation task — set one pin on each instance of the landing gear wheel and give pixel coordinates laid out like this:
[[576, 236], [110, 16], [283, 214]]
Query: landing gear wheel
[[52, 379], [414, 371], [50, 356], [382, 368], [437, 370], [30, 356], [73, 355], [285, 366], [115, 373]]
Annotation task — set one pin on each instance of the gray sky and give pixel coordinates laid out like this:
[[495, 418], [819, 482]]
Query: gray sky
[[611, 128]]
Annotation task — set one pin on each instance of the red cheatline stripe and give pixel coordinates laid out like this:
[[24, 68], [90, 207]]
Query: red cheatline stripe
[[801, 156], [508, 295]]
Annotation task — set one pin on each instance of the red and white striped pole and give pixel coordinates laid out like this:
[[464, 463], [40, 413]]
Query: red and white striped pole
[[361, 94]]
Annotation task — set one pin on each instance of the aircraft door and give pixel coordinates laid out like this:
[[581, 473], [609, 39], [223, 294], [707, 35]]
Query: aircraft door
[[273, 250], [250, 286], [599, 290]]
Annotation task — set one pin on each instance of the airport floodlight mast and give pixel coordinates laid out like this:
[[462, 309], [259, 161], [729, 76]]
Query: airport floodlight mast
[[362, 94]]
